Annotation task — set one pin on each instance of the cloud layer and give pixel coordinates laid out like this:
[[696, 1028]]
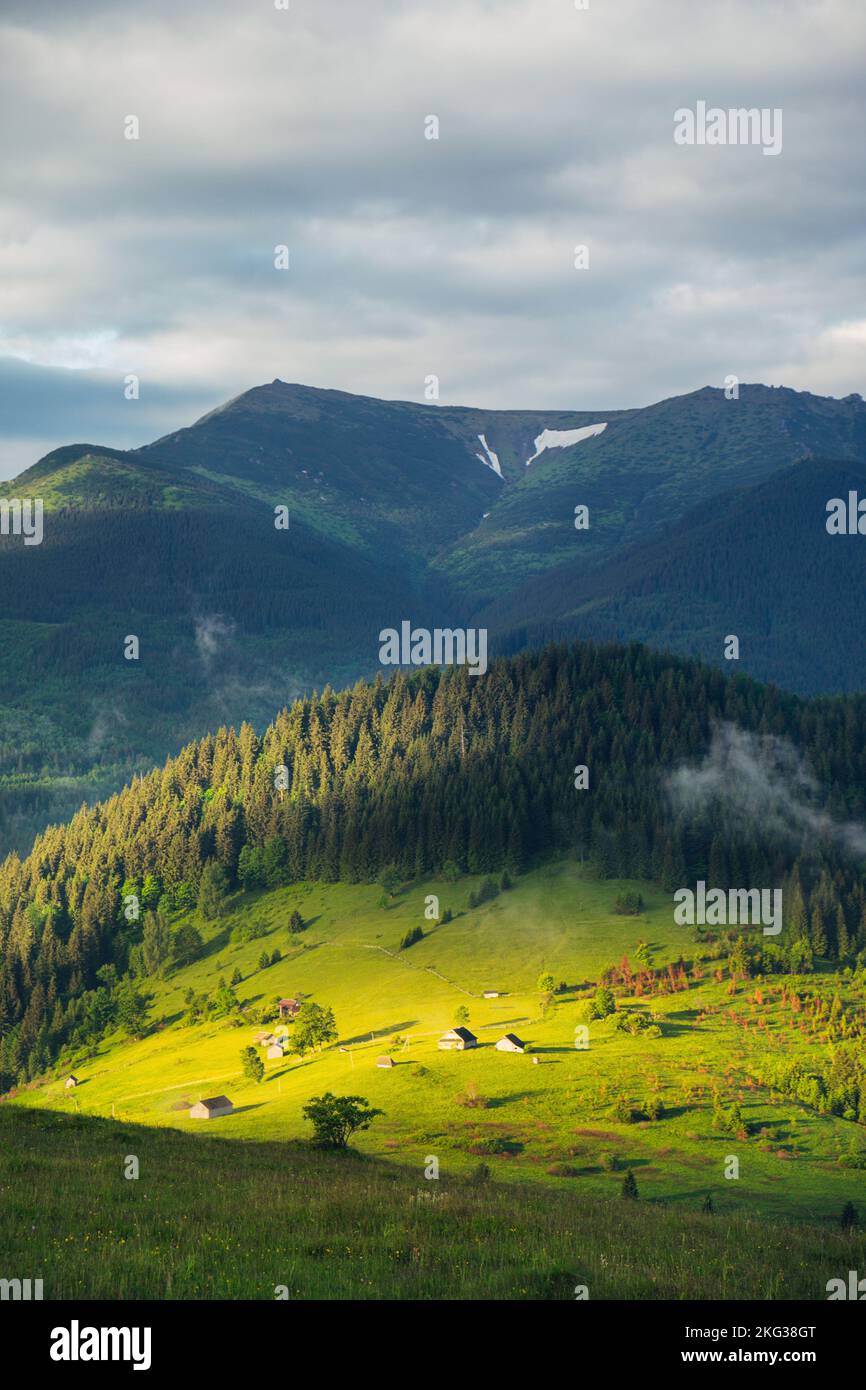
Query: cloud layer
[[261, 127]]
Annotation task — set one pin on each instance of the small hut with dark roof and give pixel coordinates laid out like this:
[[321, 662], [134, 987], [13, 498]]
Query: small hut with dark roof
[[211, 1108]]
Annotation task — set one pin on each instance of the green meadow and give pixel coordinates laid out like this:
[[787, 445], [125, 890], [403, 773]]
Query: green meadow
[[545, 1119]]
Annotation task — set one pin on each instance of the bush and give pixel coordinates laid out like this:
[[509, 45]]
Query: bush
[[471, 1097], [496, 1144], [628, 904], [629, 1187], [485, 893], [849, 1219], [609, 1162], [412, 936], [250, 931], [603, 1004], [635, 1022]]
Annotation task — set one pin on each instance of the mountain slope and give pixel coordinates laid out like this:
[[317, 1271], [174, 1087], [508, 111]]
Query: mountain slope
[[643, 472], [397, 511], [757, 563]]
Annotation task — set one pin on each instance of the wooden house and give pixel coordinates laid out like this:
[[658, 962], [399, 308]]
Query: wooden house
[[457, 1039], [211, 1109]]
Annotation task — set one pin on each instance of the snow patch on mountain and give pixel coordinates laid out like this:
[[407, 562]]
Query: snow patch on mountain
[[560, 439], [488, 458]]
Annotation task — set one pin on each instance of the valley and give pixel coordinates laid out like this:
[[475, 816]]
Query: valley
[[532, 1127]]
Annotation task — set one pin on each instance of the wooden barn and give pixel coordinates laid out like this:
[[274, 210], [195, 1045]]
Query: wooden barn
[[457, 1039], [211, 1109], [384, 1061], [289, 1007], [511, 1043], [70, 1083], [275, 1051]]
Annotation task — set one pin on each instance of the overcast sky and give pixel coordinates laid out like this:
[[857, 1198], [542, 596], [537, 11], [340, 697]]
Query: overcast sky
[[409, 256]]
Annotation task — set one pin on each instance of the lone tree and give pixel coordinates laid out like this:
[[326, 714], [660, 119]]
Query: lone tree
[[336, 1118], [629, 1186], [314, 1026], [254, 1067], [849, 1220], [296, 922], [461, 1016]]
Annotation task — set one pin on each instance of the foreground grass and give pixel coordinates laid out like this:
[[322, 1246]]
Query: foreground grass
[[237, 1219]]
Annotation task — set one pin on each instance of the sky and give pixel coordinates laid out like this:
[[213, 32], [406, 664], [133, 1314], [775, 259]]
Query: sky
[[411, 257]]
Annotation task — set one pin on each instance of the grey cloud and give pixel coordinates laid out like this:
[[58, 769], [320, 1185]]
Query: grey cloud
[[760, 781], [413, 256]]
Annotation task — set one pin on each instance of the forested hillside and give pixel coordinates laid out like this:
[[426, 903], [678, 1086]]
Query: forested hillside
[[448, 516], [420, 771], [759, 563]]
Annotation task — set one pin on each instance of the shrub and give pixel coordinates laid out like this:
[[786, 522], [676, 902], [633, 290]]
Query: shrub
[[471, 1097], [250, 931], [629, 1187], [496, 1144], [849, 1220], [628, 904], [603, 1004]]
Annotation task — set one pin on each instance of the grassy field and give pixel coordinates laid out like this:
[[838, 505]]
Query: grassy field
[[545, 1117], [264, 1220]]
